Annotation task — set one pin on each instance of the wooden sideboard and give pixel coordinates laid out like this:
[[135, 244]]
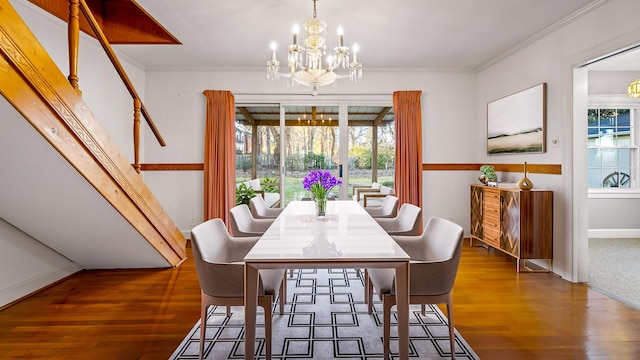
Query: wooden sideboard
[[517, 222]]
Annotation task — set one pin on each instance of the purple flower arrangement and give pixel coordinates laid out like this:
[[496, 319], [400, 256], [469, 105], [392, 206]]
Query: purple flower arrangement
[[320, 183]]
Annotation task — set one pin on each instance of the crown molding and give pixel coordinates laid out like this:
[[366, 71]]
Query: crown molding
[[546, 32]]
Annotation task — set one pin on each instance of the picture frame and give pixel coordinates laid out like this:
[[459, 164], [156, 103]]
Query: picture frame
[[516, 123]]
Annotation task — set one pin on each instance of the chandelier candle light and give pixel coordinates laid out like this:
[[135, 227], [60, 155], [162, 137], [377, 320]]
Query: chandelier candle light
[[305, 61], [634, 89]]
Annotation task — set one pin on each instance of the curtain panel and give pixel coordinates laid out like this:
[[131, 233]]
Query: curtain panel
[[219, 155], [408, 118]]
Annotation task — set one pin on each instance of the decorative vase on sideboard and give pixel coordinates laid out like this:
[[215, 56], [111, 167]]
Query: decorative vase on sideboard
[[525, 183]]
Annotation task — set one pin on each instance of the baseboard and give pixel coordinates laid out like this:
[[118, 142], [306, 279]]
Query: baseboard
[[30, 286], [614, 233]]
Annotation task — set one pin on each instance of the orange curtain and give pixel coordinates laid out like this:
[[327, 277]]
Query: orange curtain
[[408, 118], [219, 155]]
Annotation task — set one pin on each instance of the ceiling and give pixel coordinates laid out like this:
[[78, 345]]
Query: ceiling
[[404, 34]]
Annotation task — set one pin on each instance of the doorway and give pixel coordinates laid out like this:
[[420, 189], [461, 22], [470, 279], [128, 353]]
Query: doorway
[[609, 195]]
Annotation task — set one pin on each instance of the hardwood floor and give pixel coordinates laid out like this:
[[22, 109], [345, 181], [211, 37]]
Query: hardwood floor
[[144, 314]]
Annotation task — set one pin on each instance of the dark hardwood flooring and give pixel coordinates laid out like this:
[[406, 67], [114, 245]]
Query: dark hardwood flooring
[[144, 314]]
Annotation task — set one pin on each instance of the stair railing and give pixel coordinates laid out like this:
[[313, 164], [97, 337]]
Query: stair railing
[[76, 6]]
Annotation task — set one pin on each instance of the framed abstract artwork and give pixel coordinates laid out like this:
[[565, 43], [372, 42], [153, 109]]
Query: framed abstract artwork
[[516, 123]]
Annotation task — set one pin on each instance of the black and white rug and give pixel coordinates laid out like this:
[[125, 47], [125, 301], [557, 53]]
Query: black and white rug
[[325, 318]]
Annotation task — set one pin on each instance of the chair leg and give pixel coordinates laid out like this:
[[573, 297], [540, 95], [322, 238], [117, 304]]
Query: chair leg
[[290, 273], [422, 308], [228, 311], [452, 339], [203, 325], [358, 272]]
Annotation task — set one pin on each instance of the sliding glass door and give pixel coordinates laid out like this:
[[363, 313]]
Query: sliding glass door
[[311, 142], [258, 149], [371, 134], [280, 144]]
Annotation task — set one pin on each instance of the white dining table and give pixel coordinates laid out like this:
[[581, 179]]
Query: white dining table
[[346, 237]]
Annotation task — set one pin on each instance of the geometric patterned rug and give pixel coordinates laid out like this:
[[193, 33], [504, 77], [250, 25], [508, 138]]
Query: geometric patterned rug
[[325, 318]]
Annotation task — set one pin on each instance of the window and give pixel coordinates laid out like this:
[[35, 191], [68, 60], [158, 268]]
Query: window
[[612, 148]]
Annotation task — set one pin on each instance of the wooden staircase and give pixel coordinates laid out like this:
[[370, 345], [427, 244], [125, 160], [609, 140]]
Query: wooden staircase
[[33, 84]]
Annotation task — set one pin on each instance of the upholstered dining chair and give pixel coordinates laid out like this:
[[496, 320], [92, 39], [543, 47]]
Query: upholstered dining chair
[[406, 222], [220, 268], [388, 208], [359, 190], [259, 209], [244, 224], [435, 256]]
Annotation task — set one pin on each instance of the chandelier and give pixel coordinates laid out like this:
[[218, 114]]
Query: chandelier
[[305, 61], [634, 89]]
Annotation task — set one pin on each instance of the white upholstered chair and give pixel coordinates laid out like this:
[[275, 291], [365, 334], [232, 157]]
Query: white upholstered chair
[[259, 209], [244, 224], [387, 209], [373, 195], [360, 190], [220, 268], [435, 256], [406, 222]]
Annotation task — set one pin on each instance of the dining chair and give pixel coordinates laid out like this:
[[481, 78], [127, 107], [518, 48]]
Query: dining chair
[[359, 190], [244, 224], [219, 264], [259, 209], [388, 208], [435, 256], [406, 222]]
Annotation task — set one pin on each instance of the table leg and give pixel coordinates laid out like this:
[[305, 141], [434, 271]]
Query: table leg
[[250, 305], [402, 307]]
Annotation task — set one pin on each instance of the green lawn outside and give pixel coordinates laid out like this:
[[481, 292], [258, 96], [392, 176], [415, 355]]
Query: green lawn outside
[[295, 191]]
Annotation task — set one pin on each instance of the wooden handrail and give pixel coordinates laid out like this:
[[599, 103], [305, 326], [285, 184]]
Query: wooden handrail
[[86, 11]]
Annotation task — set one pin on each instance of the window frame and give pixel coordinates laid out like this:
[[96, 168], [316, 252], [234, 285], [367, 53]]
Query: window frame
[[620, 102]]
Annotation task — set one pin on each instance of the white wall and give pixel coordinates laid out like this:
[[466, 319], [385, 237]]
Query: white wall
[[27, 265], [550, 59], [448, 127], [611, 82]]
